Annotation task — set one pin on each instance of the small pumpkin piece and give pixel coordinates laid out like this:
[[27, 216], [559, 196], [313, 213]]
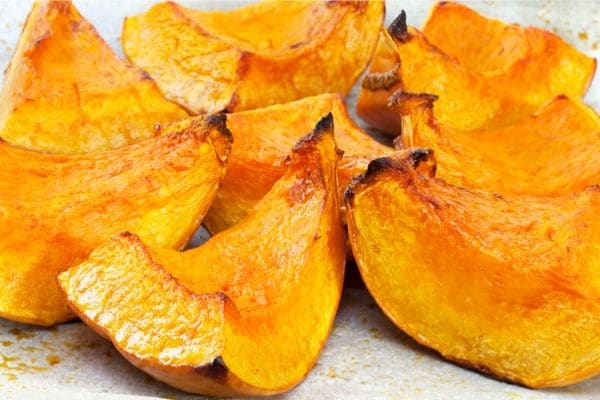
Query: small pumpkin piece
[[55, 209], [66, 91], [263, 138], [508, 286], [246, 313], [266, 53], [500, 92], [552, 152]]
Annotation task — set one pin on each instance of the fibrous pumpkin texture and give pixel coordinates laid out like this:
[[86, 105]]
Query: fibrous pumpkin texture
[[480, 83], [65, 90], [552, 152], [262, 139], [55, 209], [505, 285], [246, 313], [266, 53]]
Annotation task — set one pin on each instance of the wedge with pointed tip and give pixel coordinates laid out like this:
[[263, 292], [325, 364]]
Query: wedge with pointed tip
[[552, 152], [266, 53], [66, 91], [263, 138], [248, 312], [505, 285], [55, 209], [490, 84]]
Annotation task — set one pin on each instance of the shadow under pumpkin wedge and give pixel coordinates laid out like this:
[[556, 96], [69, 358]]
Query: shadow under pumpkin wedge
[[54, 209], [508, 286], [246, 313], [66, 91]]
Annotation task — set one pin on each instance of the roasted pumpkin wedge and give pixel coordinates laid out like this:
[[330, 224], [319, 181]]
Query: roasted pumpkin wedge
[[553, 152], [471, 98], [262, 139], [513, 53], [55, 209], [266, 53], [246, 313], [66, 91], [508, 286]]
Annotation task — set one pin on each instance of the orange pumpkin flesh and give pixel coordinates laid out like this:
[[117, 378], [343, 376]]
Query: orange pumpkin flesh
[[55, 209], [506, 285], [513, 53], [262, 139], [248, 312], [66, 91], [266, 53], [552, 152], [470, 97]]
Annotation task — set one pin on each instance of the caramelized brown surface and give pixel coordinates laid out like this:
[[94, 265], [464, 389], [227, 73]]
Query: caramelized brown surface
[[54, 209], [65, 90], [248, 312], [518, 70], [506, 285], [265, 53]]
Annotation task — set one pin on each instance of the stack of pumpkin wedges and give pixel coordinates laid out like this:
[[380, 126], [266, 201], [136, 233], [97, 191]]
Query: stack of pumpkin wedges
[[237, 120]]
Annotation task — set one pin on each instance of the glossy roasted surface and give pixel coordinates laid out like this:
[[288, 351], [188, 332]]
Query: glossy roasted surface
[[246, 313], [54, 209], [480, 83], [505, 285], [66, 91], [261, 54]]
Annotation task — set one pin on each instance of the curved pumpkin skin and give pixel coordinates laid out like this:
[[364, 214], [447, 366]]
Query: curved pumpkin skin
[[55, 209], [266, 53], [262, 139], [471, 98], [248, 312], [67, 92], [507, 286], [552, 152]]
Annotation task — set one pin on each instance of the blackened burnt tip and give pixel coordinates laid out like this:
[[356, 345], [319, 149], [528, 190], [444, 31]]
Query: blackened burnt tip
[[418, 155], [216, 370], [398, 29], [216, 119], [325, 124]]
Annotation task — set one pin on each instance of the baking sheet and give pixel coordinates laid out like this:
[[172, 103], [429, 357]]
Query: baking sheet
[[366, 356]]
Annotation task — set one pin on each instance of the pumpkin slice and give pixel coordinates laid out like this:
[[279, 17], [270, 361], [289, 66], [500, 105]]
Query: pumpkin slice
[[248, 312], [472, 98], [513, 53], [66, 91], [266, 53], [507, 286], [55, 209], [551, 152], [263, 138]]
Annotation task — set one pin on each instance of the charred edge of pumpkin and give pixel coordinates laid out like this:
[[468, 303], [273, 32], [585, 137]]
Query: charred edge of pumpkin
[[410, 161], [215, 370], [381, 80], [322, 128], [398, 29], [219, 122], [401, 98]]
